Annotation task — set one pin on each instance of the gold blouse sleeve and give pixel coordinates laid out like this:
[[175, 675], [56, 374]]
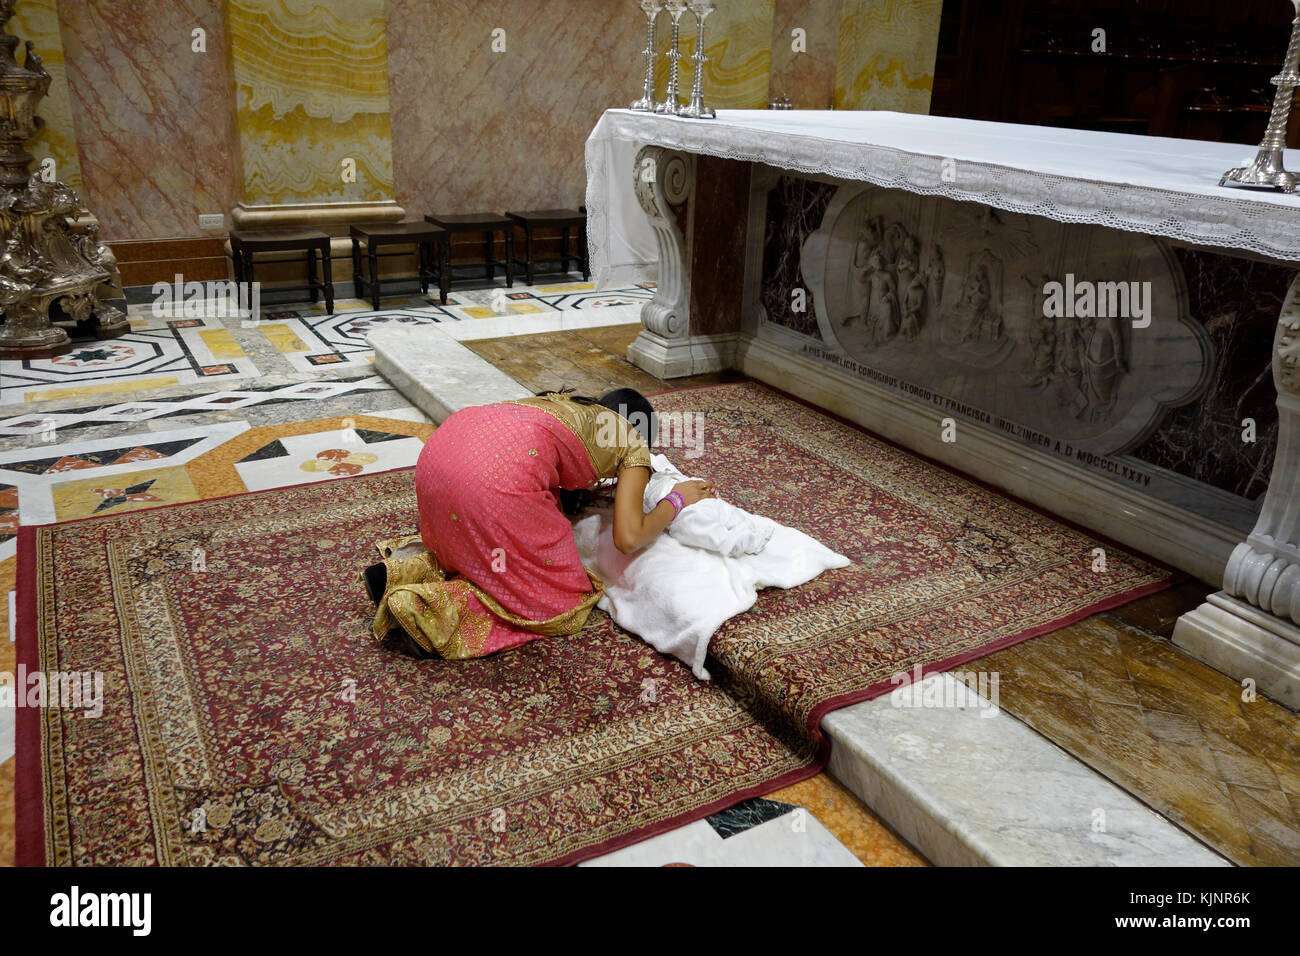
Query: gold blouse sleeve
[[638, 452], [611, 441]]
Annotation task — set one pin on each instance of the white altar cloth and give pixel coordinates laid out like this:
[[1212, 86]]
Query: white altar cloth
[[1154, 185]]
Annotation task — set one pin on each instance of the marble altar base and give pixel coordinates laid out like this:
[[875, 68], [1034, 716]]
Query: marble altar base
[[678, 357], [1177, 537], [1245, 643]]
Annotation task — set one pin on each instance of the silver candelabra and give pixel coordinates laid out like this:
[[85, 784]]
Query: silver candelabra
[[1268, 169], [696, 108], [671, 105], [651, 9]]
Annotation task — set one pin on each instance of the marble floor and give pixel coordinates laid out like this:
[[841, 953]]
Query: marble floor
[[109, 435]]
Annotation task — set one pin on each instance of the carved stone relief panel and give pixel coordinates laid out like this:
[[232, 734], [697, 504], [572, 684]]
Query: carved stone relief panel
[[1077, 333]]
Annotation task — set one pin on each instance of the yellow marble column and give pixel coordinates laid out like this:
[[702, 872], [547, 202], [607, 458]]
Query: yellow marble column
[[38, 21], [311, 112], [886, 54]]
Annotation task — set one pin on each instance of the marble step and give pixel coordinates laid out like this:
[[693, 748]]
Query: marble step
[[967, 784], [437, 374]]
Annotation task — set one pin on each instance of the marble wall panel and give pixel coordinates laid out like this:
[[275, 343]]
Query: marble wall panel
[[1238, 302], [38, 21], [476, 129], [153, 118], [311, 98], [886, 54], [412, 91], [805, 76], [718, 245], [794, 212]]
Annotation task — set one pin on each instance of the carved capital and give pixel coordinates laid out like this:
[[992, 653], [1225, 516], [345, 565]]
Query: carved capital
[[662, 179], [1286, 345]]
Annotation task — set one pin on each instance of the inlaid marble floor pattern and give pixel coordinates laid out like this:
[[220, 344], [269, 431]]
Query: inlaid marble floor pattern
[[180, 344]]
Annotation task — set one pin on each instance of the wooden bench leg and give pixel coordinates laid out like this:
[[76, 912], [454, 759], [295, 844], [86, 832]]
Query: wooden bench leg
[[528, 253], [444, 268], [374, 273], [327, 264], [311, 274], [358, 280], [510, 258]]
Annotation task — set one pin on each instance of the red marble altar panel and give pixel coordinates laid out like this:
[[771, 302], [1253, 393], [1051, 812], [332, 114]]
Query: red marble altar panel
[[717, 248]]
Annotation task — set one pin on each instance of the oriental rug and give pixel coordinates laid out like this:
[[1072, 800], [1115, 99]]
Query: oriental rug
[[247, 718]]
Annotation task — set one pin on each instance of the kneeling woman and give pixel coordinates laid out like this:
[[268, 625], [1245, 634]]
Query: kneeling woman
[[502, 567]]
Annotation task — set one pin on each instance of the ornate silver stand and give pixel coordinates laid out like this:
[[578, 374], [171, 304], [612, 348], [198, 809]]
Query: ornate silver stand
[[651, 9], [52, 265], [697, 109], [671, 105], [1267, 169]]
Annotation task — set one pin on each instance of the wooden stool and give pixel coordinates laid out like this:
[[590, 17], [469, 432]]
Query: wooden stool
[[562, 219], [244, 245], [430, 243], [489, 224]]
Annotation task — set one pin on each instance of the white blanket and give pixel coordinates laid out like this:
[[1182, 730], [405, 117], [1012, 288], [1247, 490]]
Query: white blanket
[[675, 596], [712, 524]]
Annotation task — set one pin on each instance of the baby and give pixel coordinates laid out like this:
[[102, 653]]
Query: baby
[[711, 524]]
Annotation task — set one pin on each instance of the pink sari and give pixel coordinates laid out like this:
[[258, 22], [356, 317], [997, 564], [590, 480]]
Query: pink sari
[[485, 483]]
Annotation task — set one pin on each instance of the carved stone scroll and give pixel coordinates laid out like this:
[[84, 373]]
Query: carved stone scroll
[[665, 179]]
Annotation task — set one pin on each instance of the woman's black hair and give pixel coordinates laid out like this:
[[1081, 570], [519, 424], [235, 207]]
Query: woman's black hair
[[627, 402], [636, 408]]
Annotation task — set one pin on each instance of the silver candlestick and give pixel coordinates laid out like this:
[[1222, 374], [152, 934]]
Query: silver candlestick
[[696, 108], [651, 9], [1267, 169], [671, 105]]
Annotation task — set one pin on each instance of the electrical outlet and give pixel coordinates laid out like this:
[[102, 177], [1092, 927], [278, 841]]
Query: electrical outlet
[[212, 220]]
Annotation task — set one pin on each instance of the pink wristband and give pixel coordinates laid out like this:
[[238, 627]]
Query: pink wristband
[[675, 499]]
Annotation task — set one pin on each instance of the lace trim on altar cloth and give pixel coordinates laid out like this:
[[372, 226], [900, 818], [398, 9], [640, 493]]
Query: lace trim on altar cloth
[[1237, 220]]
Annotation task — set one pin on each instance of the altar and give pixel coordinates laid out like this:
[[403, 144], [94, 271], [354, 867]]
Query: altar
[[1087, 321]]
